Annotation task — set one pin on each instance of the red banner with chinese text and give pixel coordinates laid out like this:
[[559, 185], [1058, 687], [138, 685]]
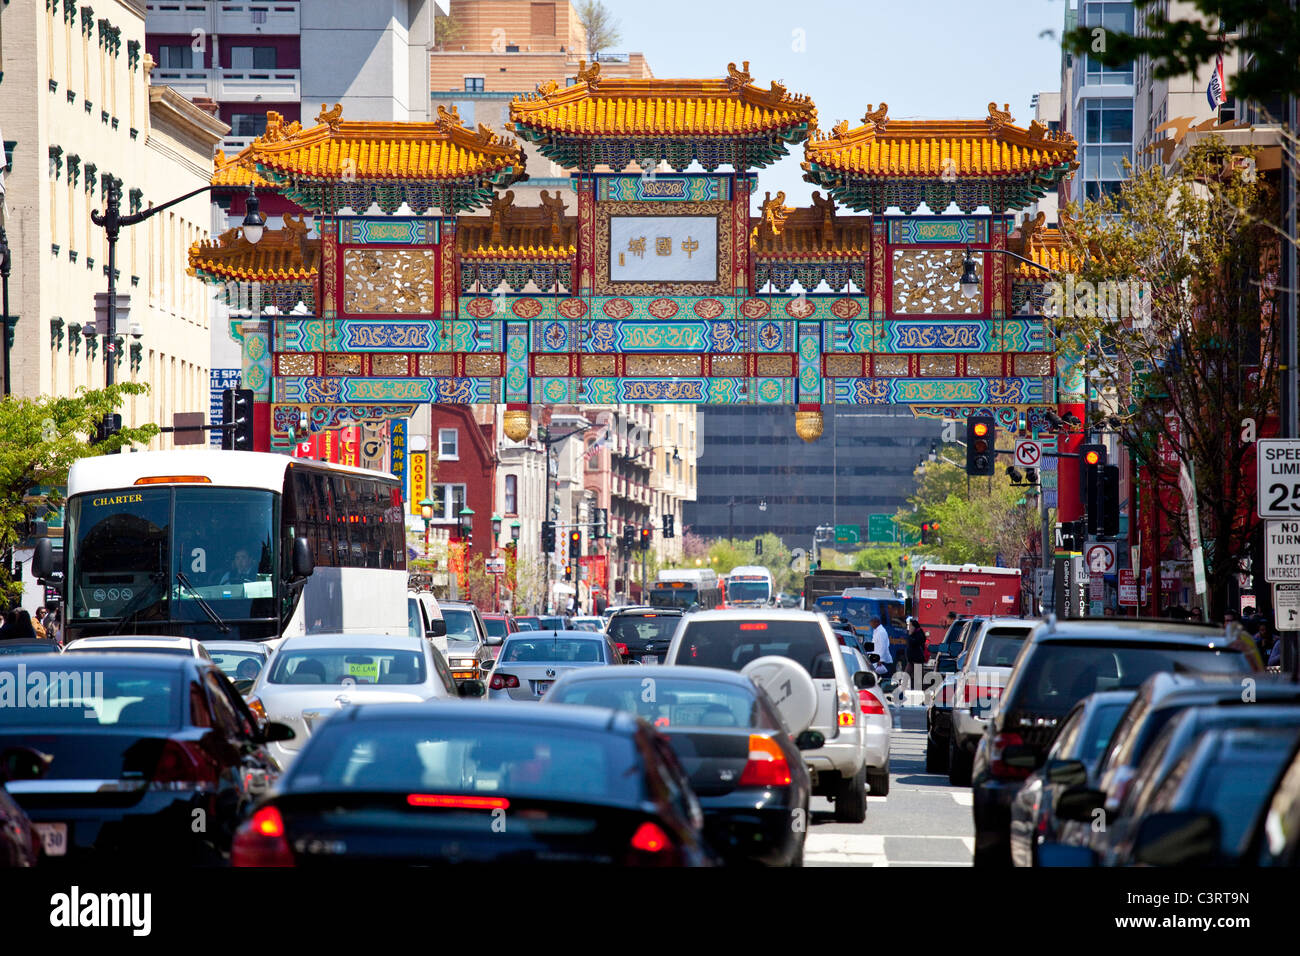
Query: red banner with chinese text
[[597, 566]]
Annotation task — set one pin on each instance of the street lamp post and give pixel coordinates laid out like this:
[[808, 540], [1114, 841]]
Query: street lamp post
[[546, 439], [4, 301], [496, 578], [426, 512]]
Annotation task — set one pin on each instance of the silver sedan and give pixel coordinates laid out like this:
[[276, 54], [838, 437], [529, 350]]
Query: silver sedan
[[531, 661]]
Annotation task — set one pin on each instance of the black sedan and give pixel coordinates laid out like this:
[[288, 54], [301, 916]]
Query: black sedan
[[134, 750], [743, 764], [33, 645], [644, 633], [435, 782]]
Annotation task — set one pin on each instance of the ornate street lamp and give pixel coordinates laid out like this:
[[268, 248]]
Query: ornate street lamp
[[465, 526], [426, 512], [496, 528], [514, 530]]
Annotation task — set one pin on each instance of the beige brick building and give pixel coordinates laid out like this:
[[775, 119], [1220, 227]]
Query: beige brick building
[[78, 105]]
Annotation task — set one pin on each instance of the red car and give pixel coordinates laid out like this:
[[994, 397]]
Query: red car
[[499, 625]]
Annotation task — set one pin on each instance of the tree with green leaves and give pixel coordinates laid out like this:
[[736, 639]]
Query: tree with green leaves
[[1265, 32], [447, 30], [1201, 240], [40, 438], [600, 25]]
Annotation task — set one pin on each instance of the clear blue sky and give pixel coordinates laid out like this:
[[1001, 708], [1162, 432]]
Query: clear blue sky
[[928, 59]]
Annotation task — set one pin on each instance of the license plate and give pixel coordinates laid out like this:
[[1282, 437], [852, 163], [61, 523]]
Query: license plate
[[540, 687], [54, 838], [649, 659]]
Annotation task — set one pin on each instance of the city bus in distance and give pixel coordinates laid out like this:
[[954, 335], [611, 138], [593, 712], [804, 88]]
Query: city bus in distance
[[749, 586], [229, 544], [686, 588], [968, 589]]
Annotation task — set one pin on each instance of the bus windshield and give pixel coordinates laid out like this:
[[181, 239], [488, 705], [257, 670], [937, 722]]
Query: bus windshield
[[673, 597], [748, 591], [128, 546]]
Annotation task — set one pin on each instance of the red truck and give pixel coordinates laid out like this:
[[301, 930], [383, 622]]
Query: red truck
[[967, 589]]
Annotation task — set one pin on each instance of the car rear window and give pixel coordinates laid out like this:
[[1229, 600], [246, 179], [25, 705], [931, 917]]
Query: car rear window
[[643, 627], [496, 627], [470, 756], [733, 644], [545, 649], [1235, 780], [237, 664], [68, 697], [352, 665], [1104, 722], [460, 624], [1058, 674], [670, 702], [1001, 645]]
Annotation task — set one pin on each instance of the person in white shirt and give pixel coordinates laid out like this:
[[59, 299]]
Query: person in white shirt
[[880, 645]]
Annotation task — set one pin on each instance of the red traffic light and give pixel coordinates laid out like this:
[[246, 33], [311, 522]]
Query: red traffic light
[[980, 429], [1092, 457]]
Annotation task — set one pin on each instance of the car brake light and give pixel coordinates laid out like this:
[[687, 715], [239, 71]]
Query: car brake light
[[502, 681], [767, 766], [183, 766], [261, 841], [649, 838], [621, 648], [870, 703], [999, 769], [457, 801], [753, 626]]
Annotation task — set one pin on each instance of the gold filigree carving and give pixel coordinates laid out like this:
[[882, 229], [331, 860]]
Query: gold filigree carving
[[438, 366], [661, 366], [984, 366], [775, 366], [928, 282], [938, 366], [599, 365], [296, 365], [728, 366], [388, 281], [343, 364], [484, 366], [895, 366], [553, 366], [1031, 364], [843, 366], [386, 364]]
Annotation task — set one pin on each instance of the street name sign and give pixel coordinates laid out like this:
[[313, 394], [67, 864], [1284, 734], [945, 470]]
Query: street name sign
[[1282, 551], [1278, 465]]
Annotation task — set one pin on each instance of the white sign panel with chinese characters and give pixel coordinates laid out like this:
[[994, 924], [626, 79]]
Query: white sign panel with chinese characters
[[663, 248]]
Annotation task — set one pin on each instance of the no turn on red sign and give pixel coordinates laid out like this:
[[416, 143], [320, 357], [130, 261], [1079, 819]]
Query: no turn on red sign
[[1029, 454], [1282, 551], [1100, 557]]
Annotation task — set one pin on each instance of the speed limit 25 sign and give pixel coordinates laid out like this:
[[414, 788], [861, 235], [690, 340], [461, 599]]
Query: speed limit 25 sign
[[1279, 477]]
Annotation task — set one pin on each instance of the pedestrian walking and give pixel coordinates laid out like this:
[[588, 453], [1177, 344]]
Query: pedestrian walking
[[917, 651], [880, 646]]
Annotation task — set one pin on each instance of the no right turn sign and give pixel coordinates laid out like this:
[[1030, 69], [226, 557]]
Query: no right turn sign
[[1282, 551]]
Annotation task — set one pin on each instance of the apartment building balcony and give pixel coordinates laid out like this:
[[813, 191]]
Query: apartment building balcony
[[189, 83], [180, 17], [248, 85], [270, 18]]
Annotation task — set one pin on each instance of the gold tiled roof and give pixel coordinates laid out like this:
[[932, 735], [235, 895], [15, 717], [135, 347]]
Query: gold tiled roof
[[936, 148], [1034, 240], [810, 230], [348, 149], [282, 255], [519, 232], [238, 171], [670, 108]]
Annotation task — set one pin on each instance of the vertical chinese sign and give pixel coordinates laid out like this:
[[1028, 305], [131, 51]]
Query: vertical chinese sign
[[397, 442], [419, 479]]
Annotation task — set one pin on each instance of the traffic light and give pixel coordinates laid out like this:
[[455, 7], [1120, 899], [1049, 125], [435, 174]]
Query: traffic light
[[106, 428], [645, 538], [902, 560], [668, 526], [1092, 467], [629, 537], [575, 544], [600, 526], [758, 547], [548, 537], [980, 435], [1110, 502], [237, 411], [925, 533], [568, 572]]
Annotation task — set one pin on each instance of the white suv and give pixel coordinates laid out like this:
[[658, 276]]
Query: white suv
[[985, 665], [818, 687]]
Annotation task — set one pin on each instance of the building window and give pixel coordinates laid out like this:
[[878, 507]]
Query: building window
[[448, 500], [176, 57], [1107, 142], [473, 84], [512, 494], [247, 124], [448, 444], [252, 58]]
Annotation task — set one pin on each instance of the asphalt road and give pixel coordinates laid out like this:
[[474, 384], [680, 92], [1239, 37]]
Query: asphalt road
[[924, 821]]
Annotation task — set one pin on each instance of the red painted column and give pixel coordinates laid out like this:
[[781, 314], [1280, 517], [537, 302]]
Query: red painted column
[[1069, 507], [261, 426]]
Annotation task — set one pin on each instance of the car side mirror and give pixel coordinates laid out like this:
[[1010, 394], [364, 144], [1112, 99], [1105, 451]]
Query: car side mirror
[[1020, 757], [303, 563], [43, 559], [864, 680], [1069, 773], [486, 665], [23, 763], [873, 658], [274, 732], [438, 628], [242, 684], [493, 640], [810, 740], [471, 688], [946, 665], [1081, 804], [1184, 838]]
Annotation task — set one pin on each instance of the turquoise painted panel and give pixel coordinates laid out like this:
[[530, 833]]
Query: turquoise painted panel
[[929, 230], [945, 336], [388, 231], [367, 335], [690, 390], [668, 187]]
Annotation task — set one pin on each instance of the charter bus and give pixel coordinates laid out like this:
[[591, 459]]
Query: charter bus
[[229, 544], [686, 588], [750, 586]]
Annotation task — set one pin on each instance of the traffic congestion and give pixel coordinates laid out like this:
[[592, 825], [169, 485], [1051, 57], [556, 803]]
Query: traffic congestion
[[320, 712]]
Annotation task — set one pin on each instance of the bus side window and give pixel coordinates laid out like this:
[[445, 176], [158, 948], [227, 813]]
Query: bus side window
[[324, 521]]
